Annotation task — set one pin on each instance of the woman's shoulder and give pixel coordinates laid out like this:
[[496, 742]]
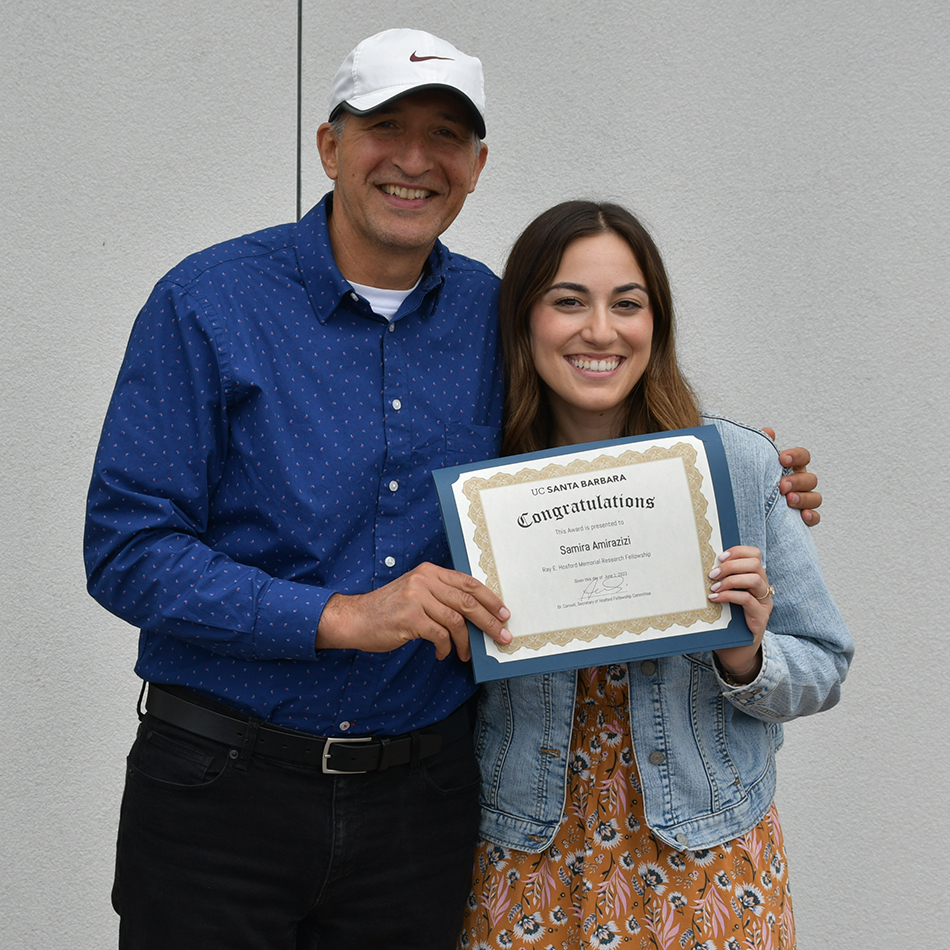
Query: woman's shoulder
[[743, 441], [754, 468]]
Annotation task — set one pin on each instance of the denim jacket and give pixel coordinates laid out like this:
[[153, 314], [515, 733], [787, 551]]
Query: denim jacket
[[705, 749]]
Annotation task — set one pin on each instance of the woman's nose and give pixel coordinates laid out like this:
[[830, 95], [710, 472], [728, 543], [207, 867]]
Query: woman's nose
[[599, 328]]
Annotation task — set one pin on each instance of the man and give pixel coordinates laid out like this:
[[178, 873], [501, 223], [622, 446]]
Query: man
[[262, 508]]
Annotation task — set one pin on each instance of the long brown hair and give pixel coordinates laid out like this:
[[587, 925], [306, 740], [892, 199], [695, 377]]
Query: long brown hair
[[661, 400]]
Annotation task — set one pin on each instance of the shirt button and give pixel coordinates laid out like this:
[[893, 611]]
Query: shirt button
[[648, 667], [682, 839], [354, 296], [344, 726], [657, 758], [392, 326], [397, 404], [393, 485], [390, 561]]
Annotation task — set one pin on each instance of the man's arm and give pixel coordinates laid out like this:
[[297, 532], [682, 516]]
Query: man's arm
[[799, 487], [161, 459]]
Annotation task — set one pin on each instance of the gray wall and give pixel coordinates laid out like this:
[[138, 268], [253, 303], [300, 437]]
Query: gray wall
[[793, 162]]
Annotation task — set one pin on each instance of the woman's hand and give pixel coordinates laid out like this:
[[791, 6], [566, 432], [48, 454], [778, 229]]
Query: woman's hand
[[740, 579]]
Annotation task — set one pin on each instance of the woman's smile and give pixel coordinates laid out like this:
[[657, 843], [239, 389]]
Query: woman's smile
[[595, 366]]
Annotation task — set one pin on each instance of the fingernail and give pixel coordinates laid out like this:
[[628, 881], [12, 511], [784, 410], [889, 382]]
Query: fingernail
[[504, 614], [724, 556], [716, 586], [715, 572], [506, 636], [714, 597]]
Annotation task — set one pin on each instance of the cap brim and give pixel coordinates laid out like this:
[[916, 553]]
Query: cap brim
[[364, 105]]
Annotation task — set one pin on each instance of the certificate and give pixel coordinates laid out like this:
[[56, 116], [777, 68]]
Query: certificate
[[600, 551]]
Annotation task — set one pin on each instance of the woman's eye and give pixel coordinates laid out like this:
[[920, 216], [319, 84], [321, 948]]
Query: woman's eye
[[567, 302], [632, 306]]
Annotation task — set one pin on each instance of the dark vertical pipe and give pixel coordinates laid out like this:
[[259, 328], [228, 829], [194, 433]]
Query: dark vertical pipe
[[299, 99]]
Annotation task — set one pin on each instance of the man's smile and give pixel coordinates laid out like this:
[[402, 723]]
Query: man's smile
[[398, 191]]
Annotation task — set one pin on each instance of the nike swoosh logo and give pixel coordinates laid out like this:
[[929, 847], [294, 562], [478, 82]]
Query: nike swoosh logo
[[421, 59]]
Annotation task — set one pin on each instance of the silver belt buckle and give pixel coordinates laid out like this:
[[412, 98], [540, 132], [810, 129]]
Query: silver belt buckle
[[331, 741]]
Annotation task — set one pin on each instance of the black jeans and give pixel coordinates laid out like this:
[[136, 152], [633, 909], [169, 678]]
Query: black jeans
[[275, 856]]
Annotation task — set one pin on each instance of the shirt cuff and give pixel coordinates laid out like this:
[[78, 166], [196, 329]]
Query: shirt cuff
[[287, 618]]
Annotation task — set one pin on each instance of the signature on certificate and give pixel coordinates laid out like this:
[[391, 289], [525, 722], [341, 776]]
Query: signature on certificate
[[602, 586]]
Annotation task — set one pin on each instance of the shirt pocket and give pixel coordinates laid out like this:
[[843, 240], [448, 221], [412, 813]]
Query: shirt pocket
[[467, 443]]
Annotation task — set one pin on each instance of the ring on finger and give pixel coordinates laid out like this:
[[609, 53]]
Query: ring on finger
[[768, 593]]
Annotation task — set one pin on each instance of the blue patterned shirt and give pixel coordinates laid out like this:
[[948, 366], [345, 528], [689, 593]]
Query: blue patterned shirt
[[269, 443]]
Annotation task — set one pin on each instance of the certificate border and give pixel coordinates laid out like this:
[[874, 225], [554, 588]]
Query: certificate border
[[487, 667], [476, 514]]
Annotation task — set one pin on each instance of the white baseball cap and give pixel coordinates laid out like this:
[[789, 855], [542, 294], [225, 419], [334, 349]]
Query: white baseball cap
[[396, 62]]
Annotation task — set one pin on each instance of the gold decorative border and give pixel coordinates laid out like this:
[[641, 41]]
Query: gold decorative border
[[474, 486]]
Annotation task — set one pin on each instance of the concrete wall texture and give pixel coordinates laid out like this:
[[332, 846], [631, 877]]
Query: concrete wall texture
[[793, 160]]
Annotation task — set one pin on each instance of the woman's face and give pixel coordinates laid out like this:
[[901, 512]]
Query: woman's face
[[591, 333]]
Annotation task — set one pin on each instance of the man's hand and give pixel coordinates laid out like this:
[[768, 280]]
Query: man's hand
[[428, 603], [799, 487]]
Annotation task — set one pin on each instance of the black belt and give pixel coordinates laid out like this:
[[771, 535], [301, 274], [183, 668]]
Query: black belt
[[342, 755]]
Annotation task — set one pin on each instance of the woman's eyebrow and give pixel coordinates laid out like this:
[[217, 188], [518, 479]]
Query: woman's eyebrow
[[567, 285], [625, 287], [581, 289]]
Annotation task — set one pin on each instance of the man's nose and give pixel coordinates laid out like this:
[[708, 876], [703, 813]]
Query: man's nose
[[412, 156]]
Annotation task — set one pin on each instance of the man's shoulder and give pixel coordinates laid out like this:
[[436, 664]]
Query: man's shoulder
[[468, 267], [255, 247]]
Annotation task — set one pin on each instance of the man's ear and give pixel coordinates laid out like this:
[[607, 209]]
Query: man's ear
[[328, 146], [479, 165]]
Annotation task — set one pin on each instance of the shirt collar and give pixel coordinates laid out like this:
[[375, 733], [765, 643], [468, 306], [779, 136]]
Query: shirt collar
[[327, 288]]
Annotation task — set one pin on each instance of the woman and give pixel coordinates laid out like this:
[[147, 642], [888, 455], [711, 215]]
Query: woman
[[669, 839]]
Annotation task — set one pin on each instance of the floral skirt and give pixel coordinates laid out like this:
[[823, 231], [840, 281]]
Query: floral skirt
[[606, 881]]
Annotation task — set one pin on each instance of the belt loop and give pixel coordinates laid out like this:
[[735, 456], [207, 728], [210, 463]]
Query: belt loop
[[139, 711], [384, 746], [247, 746], [415, 750]]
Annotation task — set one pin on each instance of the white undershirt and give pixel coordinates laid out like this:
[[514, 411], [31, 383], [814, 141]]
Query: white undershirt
[[384, 302]]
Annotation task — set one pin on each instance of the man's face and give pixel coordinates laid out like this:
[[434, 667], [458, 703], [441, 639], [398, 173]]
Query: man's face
[[402, 174]]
